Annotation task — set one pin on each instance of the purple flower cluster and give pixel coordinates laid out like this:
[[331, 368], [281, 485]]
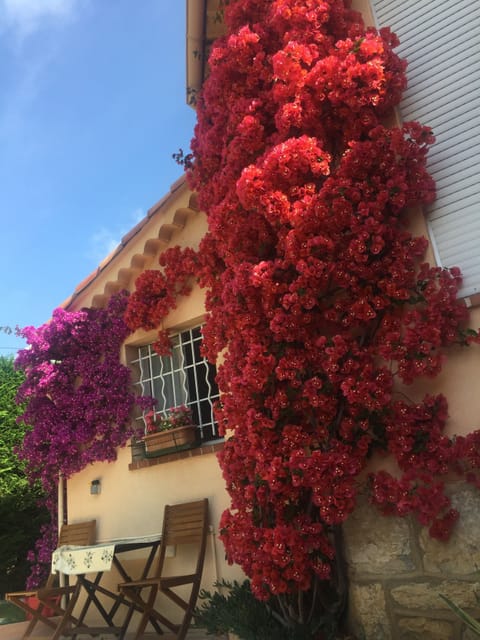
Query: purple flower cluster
[[78, 395]]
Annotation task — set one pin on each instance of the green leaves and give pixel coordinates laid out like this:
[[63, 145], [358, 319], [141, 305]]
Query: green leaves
[[12, 476], [470, 622], [233, 608], [20, 515]]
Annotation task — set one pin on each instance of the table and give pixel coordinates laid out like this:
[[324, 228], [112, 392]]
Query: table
[[96, 559]]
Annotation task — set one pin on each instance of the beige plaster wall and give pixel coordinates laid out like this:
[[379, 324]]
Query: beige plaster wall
[[131, 503], [131, 500]]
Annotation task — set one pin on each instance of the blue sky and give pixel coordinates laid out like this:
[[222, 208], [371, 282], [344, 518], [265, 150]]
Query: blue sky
[[92, 107]]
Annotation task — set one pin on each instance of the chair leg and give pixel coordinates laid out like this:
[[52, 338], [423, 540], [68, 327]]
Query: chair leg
[[182, 632], [31, 627], [67, 617], [35, 614], [147, 612]]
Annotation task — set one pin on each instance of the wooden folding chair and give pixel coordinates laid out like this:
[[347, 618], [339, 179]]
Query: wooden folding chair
[[184, 525], [79, 533]]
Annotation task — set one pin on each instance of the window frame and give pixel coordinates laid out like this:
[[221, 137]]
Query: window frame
[[186, 369]]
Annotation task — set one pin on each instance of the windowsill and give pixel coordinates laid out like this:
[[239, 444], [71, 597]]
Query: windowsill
[[202, 450]]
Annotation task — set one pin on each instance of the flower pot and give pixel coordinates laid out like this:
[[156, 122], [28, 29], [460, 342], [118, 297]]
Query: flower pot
[[169, 441], [33, 602]]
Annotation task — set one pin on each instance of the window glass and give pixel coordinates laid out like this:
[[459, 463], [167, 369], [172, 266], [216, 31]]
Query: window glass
[[185, 377]]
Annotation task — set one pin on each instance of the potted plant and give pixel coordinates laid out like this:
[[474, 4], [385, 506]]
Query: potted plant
[[169, 431]]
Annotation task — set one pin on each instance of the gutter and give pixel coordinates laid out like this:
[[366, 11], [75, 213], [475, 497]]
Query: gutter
[[196, 11]]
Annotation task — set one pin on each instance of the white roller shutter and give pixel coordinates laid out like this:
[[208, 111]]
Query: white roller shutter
[[441, 41]]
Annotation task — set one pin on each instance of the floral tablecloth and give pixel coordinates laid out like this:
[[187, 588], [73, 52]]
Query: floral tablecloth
[[75, 560]]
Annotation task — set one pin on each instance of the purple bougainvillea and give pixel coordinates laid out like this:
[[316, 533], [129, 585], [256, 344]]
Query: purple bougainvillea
[[78, 397]]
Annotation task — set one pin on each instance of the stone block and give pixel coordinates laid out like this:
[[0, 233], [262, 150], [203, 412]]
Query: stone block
[[425, 595], [368, 615], [468, 634], [424, 629], [461, 554], [375, 544]]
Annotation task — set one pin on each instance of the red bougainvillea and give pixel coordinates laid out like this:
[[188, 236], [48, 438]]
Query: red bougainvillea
[[317, 295], [156, 293]]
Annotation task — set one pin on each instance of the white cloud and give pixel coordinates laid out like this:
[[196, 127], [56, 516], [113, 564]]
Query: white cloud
[[20, 19], [103, 242], [19, 98], [26, 16]]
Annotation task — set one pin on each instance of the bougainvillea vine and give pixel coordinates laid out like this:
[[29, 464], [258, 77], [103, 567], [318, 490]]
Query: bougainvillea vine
[[318, 297], [78, 393], [78, 398], [156, 293]]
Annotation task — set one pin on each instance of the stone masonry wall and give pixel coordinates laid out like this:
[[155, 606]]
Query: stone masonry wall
[[397, 573]]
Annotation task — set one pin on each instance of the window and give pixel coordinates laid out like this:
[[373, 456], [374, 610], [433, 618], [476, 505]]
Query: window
[[441, 42], [185, 377]]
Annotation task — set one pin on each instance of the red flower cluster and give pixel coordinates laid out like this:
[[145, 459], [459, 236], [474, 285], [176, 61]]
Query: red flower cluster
[[157, 291], [415, 493], [173, 418], [317, 297]]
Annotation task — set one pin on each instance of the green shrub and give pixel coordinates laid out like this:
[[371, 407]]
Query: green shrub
[[20, 522], [234, 609], [20, 514]]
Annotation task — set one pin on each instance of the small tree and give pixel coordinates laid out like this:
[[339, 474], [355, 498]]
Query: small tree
[[20, 512], [318, 297]]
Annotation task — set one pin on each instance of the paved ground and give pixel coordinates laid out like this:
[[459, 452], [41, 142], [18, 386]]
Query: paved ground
[[15, 632]]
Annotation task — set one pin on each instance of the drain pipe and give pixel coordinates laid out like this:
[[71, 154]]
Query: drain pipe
[[214, 550], [195, 48]]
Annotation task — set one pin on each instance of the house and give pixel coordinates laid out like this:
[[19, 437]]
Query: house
[[396, 571], [132, 491]]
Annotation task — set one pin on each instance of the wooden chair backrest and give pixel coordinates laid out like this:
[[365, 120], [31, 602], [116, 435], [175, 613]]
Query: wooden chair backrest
[[185, 524], [77, 533]]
